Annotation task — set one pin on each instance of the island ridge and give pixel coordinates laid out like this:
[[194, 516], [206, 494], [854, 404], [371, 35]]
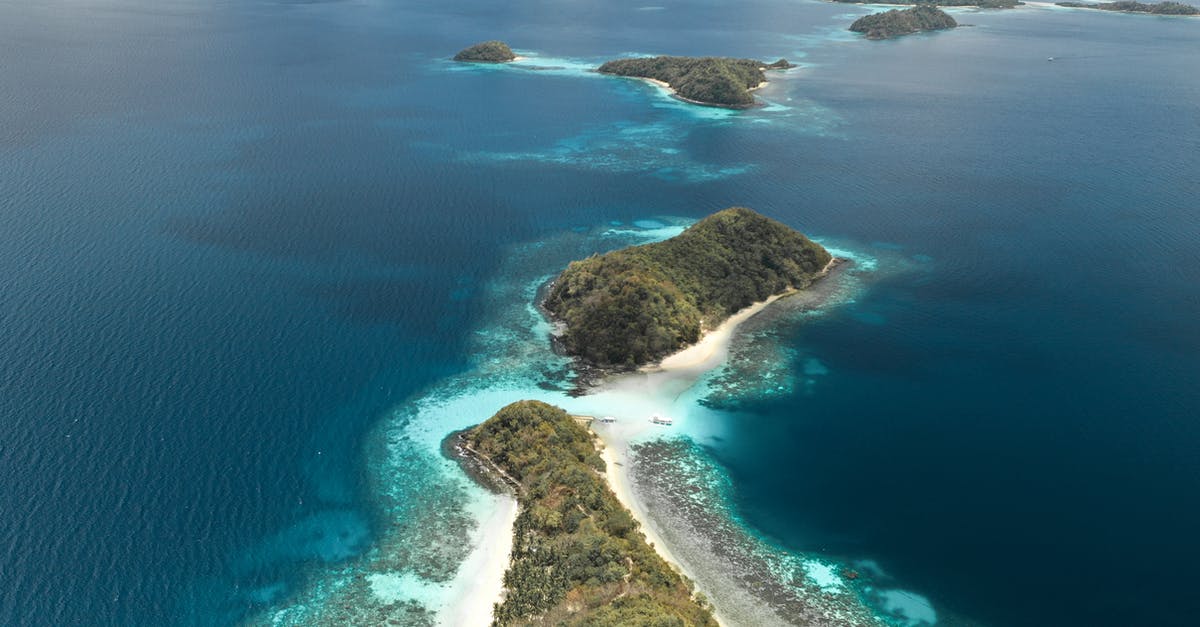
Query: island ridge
[[715, 81], [898, 22], [578, 556], [632, 306]]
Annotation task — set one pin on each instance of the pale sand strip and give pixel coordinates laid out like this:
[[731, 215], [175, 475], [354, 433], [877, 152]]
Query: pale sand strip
[[674, 94], [491, 557], [618, 480], [678, 370], [616, 462], [713, 346], [480, 581]]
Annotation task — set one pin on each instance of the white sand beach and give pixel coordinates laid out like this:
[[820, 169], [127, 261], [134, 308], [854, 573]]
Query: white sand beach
[[654, 389], [631, 398], [713, 346], [480, 581]]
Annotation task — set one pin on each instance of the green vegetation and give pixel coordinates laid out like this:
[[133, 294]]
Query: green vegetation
[[899, 22], [982, 4], [638, 304], [487, 52], [578, 557], [1161, 8], [720, 81]]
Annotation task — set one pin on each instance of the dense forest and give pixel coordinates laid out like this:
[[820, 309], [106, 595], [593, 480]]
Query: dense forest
[[707, 80], [638, 304], [982, 4], [578, 557], [486, 52], [1160, 8], [899, 22]]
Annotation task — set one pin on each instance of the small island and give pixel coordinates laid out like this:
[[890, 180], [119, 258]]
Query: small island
[[636, 305], [713, 81], [897, 22], [578, 556], [979, 4], [1128, 6], [486, 52]]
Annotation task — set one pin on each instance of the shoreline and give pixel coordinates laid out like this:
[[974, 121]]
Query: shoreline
[[677, 373], [479, 583], [633, 395], [481, 576], [674, 94], [620, 481], [713, 345]]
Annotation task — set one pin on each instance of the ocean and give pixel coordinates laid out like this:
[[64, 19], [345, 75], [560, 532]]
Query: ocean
[[258, 258]]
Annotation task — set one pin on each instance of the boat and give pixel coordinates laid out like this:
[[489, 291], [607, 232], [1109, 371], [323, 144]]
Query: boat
[[608, 419], [661, 420]]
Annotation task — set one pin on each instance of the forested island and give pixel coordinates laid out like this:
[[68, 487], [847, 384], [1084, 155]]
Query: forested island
[[982, 4], [717, 81], [635, 305], [486, 52], [1160, 8], [578, 557], [897, 22]]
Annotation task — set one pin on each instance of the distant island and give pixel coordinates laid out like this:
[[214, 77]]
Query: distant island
[[636, 305], [897, 22], [486, 52], [981, 4], [1160, 8], [578, 557], [714, 81]]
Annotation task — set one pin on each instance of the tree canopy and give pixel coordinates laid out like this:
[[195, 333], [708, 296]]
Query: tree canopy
[[982, 4], [1160, 8], [578, 557], [635, 305], [486, 52], [899, 22], [720, 81]]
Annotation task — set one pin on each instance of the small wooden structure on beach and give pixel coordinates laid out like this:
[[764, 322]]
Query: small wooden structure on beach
[[586, 421]]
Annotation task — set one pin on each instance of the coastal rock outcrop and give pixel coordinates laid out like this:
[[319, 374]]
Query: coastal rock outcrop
[[635, 305], [486, 52]]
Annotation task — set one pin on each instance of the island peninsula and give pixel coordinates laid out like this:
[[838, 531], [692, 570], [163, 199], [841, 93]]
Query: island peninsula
[[636, 305], [578, 556], [713, 81], [584, 548], [979, 4], [1128, 6]]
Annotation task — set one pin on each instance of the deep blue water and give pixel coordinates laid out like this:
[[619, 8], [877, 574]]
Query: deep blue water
[[236, 234]]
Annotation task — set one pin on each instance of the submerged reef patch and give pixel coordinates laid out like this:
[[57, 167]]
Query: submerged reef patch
[[751, 581]]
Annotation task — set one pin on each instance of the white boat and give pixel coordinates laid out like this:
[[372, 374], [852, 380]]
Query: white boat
[[608, 419], [661, 420]]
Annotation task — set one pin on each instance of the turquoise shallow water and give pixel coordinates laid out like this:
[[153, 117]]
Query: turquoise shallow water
[[249, 248]]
